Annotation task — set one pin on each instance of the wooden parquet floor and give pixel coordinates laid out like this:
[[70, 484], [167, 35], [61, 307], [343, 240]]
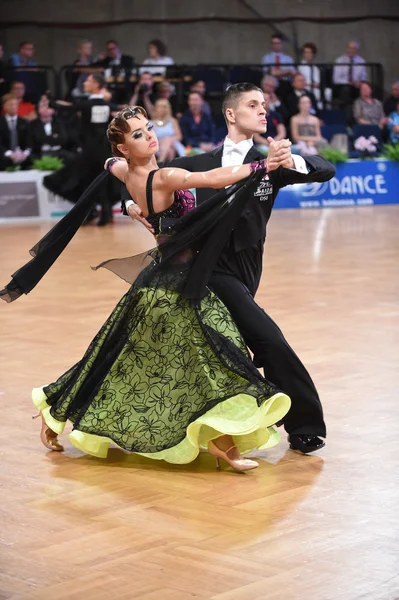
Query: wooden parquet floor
[[322, 527]]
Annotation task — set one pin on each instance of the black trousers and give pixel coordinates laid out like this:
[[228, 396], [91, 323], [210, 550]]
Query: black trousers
[[272, 352]]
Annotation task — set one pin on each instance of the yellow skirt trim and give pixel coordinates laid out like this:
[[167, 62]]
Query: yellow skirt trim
[[239, 416]]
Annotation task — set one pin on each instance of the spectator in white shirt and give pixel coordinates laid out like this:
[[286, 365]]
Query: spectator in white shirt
[[277, 63], [349, 72], [157, 58], [312, 74]]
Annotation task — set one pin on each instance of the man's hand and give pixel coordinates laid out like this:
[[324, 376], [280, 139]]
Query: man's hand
[[135, 213], [279, 154]]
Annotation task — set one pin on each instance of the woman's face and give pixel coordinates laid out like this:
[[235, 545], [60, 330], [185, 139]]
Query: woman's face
[[308, 54], [141, 141], [304, 104], [161, 109], [365, 90], [152, 51]]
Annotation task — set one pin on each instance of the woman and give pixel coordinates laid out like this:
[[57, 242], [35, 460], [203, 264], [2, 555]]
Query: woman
[[168, 373], [156, 57], [368, 110], [167, 130], [305, 129]]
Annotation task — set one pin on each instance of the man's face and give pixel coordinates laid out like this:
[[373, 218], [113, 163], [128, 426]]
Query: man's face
[[195, 102], [112, 50], [249, 113], [352, 49], [27, 50], [18, 90], [268, 86], [45, 112], [90, 86], [277, 45], [308, 54], [267, 102], [395, 90], [146, 79], [11, 107], [199, 87], [299, 83], [86, 49]]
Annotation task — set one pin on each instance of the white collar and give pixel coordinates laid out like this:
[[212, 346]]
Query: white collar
[[9, 118], [242, 147]]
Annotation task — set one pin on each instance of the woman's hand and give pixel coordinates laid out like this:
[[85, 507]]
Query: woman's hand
[[134, 211]]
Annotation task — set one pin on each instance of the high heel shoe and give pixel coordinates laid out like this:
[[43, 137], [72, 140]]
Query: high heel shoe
[[238, 464], [48, 437]]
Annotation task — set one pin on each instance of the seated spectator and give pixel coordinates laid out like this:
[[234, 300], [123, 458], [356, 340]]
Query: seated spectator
[[275, 127], [269, 85], [366, 109], [391, 102], [24, 57], [14, 136], [144, 93], [156, 56], [166, 91], [117, 66], [312, 74], [275, 60], [26, 110], [393, 125], [167, 130], [200, 87], [196, 126], [305, 129], [349, 71], [291, 101], [48, 135], [77, 78]]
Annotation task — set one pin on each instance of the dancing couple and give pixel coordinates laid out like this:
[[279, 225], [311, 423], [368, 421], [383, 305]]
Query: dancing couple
[[169, 372]]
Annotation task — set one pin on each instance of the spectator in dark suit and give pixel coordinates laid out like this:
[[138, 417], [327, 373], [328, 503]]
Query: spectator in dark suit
[[117, 70], [391, 103], [49, 135], [196, 126], [291, 101], [14, 136]]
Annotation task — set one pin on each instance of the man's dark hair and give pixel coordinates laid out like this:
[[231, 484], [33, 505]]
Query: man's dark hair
[[277, 36], [311, 47], [22, 44], [112, 42], [233, 93], [99, 78]]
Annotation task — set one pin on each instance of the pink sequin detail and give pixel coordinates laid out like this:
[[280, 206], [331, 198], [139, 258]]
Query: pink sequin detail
[[186, 200]]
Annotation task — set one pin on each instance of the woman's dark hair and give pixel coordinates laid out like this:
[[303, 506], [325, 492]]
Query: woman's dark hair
[[311, 47], [119, 126], [160, 46], [233, 93]]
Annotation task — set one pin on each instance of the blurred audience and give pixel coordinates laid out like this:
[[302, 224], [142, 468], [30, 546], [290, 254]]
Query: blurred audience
[[199, 86], [277, 63], [368, 110], [391, 102], [291, 101], [25, 56], [305, 129], [349, 71], [157, 58], [312, 74], [393, 125], [167, 130], [84, 59], [269, 85], [48, 135], [275, 127], [117, 69], [166, 90], [196, 126], [144, 93], [15, 146], [25, 109]]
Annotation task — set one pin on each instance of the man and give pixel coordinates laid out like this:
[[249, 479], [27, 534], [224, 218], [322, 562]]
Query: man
[[290, 105], [95, 115], [14, 136], [117, 70], [49, 135], [144, 94], [24, 57], [196, 125], [269, 85], [349, 71], [26, 110], [275, 127], [237, 275], [391, 103], [279, 65]]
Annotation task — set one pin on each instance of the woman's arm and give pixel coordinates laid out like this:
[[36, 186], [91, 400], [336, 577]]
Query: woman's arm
[[176, 127], [117, 166]]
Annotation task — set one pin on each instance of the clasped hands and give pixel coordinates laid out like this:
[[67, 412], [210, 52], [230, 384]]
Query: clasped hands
[[279, 154]]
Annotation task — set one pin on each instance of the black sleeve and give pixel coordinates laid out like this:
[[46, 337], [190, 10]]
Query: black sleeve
[[319, 170]]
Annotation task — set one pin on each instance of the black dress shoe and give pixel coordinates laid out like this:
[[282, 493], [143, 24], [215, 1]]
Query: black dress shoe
[[305, 443]]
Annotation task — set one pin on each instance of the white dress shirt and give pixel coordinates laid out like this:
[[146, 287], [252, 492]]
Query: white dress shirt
[[341, 73]]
